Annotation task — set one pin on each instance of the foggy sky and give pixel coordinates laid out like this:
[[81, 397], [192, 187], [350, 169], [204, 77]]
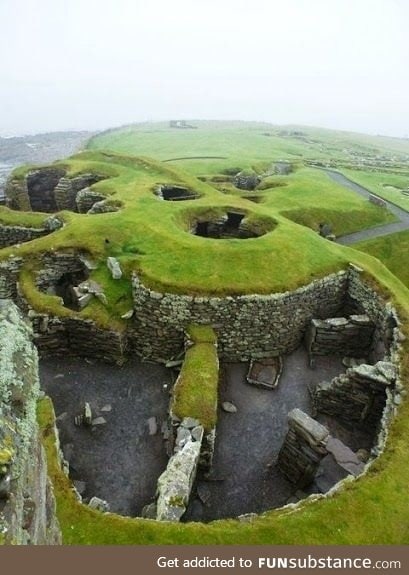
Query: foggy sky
[[91, 64]]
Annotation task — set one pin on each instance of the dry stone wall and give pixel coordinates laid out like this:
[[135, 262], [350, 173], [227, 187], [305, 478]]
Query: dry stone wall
[[352, 336], [86, 199], [358, 397], [27, 505], [49, 190], [247, 327], [250, 326], [11, 235], [67, 190], [381, 313], [303, 449], [9, 272]]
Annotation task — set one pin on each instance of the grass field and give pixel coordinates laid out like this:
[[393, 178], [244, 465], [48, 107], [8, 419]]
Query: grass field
[[152, 236], [393, 251], [387, 185]]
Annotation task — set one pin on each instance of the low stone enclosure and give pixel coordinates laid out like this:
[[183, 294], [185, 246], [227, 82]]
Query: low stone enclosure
[[336, 316], [174, 193], [51, 190], [232, 224]]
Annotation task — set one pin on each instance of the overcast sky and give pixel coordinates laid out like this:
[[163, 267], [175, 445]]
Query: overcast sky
[[92, 64]]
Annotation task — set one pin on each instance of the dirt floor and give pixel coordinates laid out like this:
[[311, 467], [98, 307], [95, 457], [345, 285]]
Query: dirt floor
[[118, 461], [243, 478]]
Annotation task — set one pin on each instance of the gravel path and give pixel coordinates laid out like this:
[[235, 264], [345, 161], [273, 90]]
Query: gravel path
[[378, 231]]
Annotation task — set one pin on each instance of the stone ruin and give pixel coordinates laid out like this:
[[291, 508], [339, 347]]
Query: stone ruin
[[245, 180], [174, 193], [51, 190], [366, 336], [229, 226]]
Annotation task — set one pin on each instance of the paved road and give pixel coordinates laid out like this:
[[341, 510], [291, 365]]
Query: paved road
[[384, 230]]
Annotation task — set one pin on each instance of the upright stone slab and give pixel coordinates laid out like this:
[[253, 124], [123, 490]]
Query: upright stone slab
[[175, 483], [303, 448]]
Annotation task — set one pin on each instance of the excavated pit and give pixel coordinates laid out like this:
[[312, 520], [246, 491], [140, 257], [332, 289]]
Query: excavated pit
[[232, 225], [119, 461], [244, 478], [40, 188], [64, 288], [61, 274], [50, 190], [173, 193], [337, 377]]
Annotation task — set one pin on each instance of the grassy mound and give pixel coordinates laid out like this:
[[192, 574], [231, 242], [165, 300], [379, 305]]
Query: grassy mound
[[195, 391]]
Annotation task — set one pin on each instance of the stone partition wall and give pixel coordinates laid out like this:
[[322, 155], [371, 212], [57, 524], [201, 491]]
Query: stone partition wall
[[11, 235], [27, 505], [303, 449], [77, 336], [386, 335], [176, 482], [67, 190], [351, 336], [249, 326], [357, 397], [9, 272]]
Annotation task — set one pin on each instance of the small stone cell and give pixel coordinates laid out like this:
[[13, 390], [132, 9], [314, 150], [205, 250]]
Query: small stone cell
[[173, 193], [232, 225]]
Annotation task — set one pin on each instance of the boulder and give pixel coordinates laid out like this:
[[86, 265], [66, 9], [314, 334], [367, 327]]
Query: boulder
[[87, 414], [190, 422], [229, 407], [99, 421], [114, 268], [99, 504], [53, 223], [153, 426]]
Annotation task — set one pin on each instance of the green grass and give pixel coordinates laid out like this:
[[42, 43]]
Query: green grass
[[195, 392], [393, 251], [387, 185], [26, 219], [245, 145], [151, 236]]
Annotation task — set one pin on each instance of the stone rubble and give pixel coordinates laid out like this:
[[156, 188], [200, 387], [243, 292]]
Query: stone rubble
[[176, 482], [114, 268]]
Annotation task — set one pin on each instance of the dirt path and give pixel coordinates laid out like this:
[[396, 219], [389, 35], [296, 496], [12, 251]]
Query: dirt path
[[384, 230]]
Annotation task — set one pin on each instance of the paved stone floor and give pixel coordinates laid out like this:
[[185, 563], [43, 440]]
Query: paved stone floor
[[119, 461]]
